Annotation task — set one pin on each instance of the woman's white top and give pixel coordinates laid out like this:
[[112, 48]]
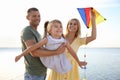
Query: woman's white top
[[58, 63]]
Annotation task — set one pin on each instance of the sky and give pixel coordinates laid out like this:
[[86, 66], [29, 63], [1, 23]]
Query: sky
[[13, 19]]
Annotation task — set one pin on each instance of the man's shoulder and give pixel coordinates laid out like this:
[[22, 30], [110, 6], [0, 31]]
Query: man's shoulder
[[26, 28]]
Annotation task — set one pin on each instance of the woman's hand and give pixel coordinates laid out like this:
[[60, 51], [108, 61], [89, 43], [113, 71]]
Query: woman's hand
[[93, 16], [82, 63]]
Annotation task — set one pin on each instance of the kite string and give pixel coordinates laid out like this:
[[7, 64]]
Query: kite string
[[85, 77]]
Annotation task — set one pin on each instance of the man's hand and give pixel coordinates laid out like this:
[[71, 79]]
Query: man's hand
[[61, 49]]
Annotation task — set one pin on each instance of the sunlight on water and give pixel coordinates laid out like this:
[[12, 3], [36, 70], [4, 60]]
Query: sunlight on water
[[103, 64]]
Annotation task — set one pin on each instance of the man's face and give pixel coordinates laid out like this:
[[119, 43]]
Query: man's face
[[34, 18]]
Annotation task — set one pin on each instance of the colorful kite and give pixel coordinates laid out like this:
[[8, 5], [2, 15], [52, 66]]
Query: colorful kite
[[85, 15]]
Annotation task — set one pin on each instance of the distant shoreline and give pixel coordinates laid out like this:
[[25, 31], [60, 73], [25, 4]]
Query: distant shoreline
[[81, 47]]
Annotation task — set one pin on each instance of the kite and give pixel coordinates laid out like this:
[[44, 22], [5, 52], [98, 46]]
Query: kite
[[85, 15]]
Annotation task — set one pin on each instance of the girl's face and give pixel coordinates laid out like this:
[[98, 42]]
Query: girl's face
[[72, 26], [56, 30]]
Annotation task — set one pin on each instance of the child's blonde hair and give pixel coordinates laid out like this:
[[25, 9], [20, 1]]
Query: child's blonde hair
[[48, 26]]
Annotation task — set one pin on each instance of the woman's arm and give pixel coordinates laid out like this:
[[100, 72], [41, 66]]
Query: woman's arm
[[93, 33], [72, 52]]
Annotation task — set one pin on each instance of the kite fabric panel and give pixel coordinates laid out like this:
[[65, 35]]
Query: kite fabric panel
[[85, 15]]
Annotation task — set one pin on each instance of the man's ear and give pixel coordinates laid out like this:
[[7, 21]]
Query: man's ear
[[27, 17]]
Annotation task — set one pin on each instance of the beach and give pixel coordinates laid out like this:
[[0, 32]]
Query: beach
[[103, 64]]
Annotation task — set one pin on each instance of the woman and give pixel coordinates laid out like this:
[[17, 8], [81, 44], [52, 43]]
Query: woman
[[73, 37]]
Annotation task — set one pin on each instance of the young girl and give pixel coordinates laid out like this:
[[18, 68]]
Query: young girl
[[52, 40]]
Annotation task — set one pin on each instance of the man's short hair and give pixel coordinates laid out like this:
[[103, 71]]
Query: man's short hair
[[32, 9]]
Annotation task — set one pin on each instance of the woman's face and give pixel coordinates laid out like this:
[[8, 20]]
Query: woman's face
[[72, 26]]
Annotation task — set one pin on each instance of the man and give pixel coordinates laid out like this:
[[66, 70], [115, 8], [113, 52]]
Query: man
[[34, 69]]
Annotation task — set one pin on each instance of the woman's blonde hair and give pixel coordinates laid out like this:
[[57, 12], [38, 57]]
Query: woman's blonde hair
[[78, 32]]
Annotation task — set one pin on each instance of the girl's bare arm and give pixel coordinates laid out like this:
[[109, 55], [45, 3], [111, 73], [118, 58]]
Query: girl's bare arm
[[31, 48], [72, 52]]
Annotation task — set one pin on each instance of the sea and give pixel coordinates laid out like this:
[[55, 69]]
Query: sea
[[102, 64]]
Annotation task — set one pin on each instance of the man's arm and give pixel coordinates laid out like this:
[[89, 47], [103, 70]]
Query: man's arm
[[41, 52]]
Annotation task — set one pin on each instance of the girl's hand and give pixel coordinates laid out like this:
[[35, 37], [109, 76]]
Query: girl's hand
[[82, 63], [17, 58]]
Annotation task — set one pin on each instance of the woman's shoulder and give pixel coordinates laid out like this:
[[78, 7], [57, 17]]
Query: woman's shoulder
[[81, 38]]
